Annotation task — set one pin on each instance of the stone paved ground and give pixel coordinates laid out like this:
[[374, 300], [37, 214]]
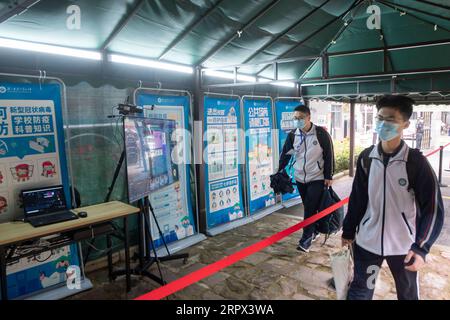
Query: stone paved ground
[[277, 272]]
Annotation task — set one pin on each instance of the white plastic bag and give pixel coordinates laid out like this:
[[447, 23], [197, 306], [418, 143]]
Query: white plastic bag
[[342, 268]]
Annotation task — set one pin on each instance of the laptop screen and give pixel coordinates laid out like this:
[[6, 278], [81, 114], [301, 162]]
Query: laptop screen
[[42, 201]]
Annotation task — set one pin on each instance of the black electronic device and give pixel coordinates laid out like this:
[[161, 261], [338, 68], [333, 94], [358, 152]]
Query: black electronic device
[[44, 206], [82, 214], [147, 139], [127, 109]]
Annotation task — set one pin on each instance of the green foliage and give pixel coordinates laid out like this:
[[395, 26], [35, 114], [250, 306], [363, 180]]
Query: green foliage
[[342, 154]]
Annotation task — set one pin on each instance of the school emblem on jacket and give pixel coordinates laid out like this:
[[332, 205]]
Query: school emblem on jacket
[[402, 182]]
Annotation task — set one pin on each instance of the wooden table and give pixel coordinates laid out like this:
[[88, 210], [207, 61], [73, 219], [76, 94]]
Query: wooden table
[[13, 233]]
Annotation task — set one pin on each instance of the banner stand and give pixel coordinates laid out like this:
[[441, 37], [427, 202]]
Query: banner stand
[[249, 219], [60, 292], [180, 245], [41, 79], [291, 202], [276, 206], [228, 102], [287, 203], [198, 237]]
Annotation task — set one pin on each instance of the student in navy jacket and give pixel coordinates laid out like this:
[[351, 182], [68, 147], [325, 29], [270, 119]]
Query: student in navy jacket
[[395, 210]]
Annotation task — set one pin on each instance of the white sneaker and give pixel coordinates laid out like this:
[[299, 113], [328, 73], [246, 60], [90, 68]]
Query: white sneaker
[[315, 237], [300, 248]]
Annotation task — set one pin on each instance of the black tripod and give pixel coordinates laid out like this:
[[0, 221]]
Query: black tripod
[[146, 260]]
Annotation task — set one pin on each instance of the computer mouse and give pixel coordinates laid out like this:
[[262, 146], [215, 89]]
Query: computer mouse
[[82, 214]]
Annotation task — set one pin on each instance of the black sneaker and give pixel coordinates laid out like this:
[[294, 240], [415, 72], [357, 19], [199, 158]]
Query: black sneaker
[[300, 248]]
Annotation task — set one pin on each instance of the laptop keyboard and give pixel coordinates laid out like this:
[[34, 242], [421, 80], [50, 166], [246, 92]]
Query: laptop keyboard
[[53, 218]]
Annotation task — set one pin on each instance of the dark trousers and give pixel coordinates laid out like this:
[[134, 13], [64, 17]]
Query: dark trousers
[[310, 193], [419, 137], [366, 266]]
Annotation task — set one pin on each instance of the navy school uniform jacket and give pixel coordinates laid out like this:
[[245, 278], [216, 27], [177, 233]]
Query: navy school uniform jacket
[[313, 152], [394, 207]]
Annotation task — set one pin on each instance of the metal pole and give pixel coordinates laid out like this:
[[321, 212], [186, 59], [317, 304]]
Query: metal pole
[[441, 155], [127, 253], [109, 246], [352, 137], [3, 279], [199, 165]]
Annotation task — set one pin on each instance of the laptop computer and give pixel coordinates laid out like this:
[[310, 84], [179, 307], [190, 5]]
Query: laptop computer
[[44, 206]]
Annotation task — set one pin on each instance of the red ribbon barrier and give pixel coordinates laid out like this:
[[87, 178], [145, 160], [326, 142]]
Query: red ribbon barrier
[[438, 149], [204, 272]]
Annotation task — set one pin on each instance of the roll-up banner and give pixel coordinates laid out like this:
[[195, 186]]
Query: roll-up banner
[[32, 155], [284, 111], [172, 204], [223, 180], [259, 147]]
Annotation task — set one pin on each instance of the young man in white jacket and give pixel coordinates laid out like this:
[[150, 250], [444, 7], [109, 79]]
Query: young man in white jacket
[[395, 212], [312, 148]]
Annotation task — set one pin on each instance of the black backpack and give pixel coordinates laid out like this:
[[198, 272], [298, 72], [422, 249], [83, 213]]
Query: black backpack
[[331, 223]]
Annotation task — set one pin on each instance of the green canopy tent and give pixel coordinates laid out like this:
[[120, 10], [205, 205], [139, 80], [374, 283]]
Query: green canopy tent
[[302, 40]]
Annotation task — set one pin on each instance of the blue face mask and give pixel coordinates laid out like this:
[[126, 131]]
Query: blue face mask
[[300, 124], [387, 130]]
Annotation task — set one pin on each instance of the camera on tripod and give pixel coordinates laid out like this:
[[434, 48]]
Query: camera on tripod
[[127, 109]]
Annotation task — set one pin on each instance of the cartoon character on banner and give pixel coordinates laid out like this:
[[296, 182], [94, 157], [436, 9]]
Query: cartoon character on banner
[[178, 192], [255, 189], [3, 148], [263, 186], [237, 208], [48, 169], [231, 115], [58, 276], [22, 172], [271, 199], [3, 204], [180, 232], [188, 228]]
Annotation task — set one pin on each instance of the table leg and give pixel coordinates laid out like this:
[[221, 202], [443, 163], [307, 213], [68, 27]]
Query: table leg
[[110, 260], [127, 253], [4, 287]]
